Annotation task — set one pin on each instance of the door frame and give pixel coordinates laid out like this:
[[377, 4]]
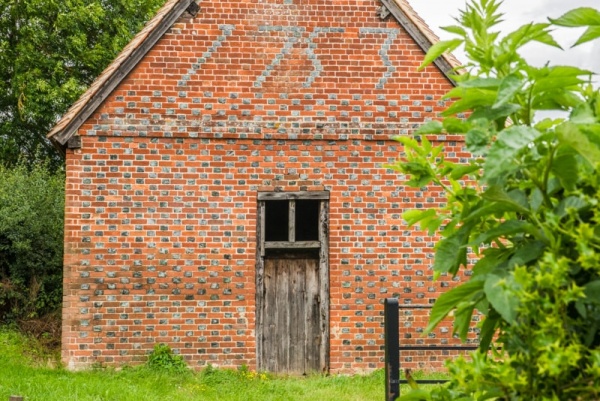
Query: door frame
[[323, 248]]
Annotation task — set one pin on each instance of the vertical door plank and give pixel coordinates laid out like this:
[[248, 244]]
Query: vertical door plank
[[312, 334], [282, 338], [324, 286], [269, 355], [260, 287], [297, 321], [292, 221]]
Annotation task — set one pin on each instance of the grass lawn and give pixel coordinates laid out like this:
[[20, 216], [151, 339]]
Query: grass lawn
[[22, 373]]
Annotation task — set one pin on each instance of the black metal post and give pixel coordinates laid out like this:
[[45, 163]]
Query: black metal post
[[392, 344]]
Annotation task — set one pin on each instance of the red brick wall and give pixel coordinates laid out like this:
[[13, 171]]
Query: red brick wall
[[248, 96]]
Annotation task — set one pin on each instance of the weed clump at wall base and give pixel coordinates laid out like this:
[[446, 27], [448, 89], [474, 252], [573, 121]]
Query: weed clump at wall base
[[163, 359]]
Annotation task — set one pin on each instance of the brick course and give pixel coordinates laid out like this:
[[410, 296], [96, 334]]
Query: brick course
[[160, 228]]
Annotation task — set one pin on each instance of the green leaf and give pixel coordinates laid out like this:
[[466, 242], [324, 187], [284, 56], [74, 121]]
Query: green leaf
[[558, 99], [448, 301], [459, 30], [481, 83], [592, 132], [581, 309], [494, 113], [537, 199], [416, 395], [420, 174], [488, 329], [547, 123], [583, 114], [558, 78], [592, 334], [592, 291], [430, 127], [451, 251], [570, 202], [478, 82], [481, 212], [407, 141], [510, 86], [438, 49], [592, 33], [527, 252], [477, 141], [569, 134], [492, 259], [499, 292], [463, 316], [454, 125], [565, 167], [460, 92], [528, 33], [501, 158], [514, 200], [459, 171], [505, 229], [579, 17], [468, 99], [414, 216]]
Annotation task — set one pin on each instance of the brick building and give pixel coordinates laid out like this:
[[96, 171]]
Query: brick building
[[226, 191]]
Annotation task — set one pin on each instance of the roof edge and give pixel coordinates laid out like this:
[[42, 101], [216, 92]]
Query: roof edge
[[421, 34], [143, 42], [114, 74]]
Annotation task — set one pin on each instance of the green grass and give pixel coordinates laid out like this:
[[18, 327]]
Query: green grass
[[25, 371]]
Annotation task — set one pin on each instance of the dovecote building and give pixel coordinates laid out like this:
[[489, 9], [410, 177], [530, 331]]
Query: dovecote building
[[226, 189]]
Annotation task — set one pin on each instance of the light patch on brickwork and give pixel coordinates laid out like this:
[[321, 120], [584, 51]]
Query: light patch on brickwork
[[392, 34], [226, 30], [296, 35]]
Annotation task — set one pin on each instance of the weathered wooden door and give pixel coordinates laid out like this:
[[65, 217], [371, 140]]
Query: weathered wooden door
[[292, 322], [292, 283]]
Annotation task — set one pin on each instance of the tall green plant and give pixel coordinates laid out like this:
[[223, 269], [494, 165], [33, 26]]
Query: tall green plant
[[50, 52], [31, 241], [526, 205]]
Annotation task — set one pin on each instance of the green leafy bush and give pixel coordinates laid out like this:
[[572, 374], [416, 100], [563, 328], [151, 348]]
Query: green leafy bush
[[163, 358], [31, 241], [527, 205], [51, 51]]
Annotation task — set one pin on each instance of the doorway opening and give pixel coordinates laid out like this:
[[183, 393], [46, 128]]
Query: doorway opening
[[292, 282]]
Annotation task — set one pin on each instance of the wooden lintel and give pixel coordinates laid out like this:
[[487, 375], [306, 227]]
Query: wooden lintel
[[292, 245], [263, 196]]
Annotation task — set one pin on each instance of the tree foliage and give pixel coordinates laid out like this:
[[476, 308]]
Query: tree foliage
[[50, 52], [526, 205], [31, 241]]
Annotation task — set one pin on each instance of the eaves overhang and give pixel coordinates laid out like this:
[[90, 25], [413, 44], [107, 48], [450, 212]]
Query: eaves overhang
[[423, 36], [114, 74]]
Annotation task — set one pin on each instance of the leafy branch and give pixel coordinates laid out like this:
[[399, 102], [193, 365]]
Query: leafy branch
[[526, 206]]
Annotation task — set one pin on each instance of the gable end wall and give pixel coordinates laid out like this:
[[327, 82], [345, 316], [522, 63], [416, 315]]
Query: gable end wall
[[291, 95]]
